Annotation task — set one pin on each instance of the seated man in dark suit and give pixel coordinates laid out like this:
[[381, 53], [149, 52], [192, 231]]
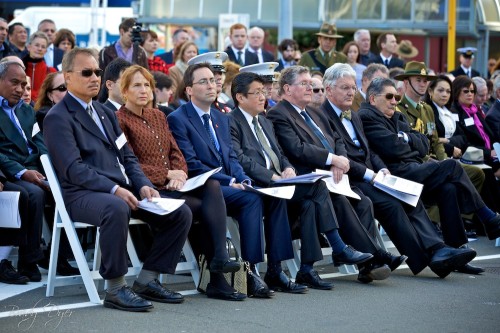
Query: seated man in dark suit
[[20, 150], [403, 149], [202, 134], [101, 181], [178, 37], [260, 156], [256, 42], [466, 60], [409, 227], [309, 143], [110, 94], [237, 51], [493, 115]]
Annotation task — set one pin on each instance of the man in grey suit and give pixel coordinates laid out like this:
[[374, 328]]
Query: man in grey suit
[[101, 182]]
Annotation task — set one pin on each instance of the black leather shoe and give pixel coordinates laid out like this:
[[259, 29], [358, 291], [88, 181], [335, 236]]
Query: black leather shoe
[[65, 269], [448, 259], [154, 291], [256, 287], [30, 270], [373, 271], [493, 227], [312, 280], [469, 269], [8, 274], [127, 300], [224, 266], [391, 260], [350, 256], [281, 282], [214, 292]]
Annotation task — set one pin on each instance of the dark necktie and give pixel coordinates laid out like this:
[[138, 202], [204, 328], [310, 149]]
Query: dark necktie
[[386, 63], [265, 146], [468, 73], [316, 131], [206, 123], [346, 115], [239, 60]]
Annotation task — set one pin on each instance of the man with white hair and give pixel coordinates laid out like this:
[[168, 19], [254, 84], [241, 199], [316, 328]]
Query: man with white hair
[[481, 95], [409, 227], [255, 41], [363, 39]]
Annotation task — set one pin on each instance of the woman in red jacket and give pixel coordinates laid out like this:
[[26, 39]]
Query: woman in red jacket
[[36, 68]]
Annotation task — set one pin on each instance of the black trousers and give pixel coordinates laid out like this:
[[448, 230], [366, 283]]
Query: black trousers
[[112, 215]]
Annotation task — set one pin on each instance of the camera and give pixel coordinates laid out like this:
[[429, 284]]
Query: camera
[[136, 32]]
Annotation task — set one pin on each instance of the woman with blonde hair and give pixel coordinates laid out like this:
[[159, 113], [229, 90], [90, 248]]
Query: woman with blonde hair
[[149, 136]]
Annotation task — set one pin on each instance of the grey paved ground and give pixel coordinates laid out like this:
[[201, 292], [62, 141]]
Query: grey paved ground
[[402, 303]]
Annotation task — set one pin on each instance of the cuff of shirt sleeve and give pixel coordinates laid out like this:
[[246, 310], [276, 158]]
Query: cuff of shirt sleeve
[[20, 174], [368, 176], [247, 182], [232, 181], [329, 159], [114, 189]]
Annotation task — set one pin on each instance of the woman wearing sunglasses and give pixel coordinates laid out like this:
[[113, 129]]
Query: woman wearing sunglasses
[[51, 92], [35, 65], [149, 136], [477, 132]]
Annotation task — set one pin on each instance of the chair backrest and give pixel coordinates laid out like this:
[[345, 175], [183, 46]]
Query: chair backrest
[[54, 186]]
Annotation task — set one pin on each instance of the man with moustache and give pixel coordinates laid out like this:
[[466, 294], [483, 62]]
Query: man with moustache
[[101, 181]]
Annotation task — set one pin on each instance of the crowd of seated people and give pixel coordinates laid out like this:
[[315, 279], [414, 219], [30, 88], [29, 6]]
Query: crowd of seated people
[[126, 124]]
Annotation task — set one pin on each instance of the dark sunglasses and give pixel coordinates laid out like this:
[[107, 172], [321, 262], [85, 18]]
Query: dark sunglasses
[[316, 90], [88, 72], [466, 91], [60, 88], [390, 96]]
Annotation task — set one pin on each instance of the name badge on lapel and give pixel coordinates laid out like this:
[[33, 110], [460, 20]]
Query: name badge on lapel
[[121, 141], [36, 130], [469, 121]]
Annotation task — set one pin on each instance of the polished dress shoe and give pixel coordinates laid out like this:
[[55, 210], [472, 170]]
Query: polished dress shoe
[[312, 279], [281, 282], [373, 271], [155, 291], [127, 300], [469, 269], [350, 256], [493, 227], [30, 270], [256, 287], [218, 265], [214, 292], [448, 259], [390, 259], [8, 274]]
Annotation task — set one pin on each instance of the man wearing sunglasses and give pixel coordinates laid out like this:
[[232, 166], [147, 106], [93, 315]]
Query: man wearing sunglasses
[[446, 184], [409, 227], [102, 183]]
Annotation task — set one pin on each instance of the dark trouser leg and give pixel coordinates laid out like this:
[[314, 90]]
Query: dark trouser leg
[[32, 225], [247, 208], [350, 228], [277, 230], [169, 235], [364, 210], [449, 213], [112, 215]]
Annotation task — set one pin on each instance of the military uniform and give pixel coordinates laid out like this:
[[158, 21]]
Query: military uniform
[[317, 62]]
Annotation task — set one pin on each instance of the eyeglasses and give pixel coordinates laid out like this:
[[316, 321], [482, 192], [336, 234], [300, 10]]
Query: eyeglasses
[[347, 88], [466, 91], [303, 84], [88, 72], [316, 90], [60, 88], [205, 82], [257, 93], [390, 96]]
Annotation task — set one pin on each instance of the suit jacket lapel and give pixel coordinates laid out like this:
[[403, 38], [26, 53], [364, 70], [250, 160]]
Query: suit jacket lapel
[[81, 116], [10, 130], [247, 131], [301, 122], [198, 124]]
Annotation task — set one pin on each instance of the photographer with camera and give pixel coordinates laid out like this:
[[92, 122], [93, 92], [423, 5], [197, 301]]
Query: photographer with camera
[[126, 47]]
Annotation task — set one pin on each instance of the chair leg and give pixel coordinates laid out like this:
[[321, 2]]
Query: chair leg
[[54, 253]]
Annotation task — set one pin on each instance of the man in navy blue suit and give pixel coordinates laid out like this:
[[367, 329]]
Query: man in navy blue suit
[[237, 51], [101, 181], [388, 46], [203, 135], [53, 56]]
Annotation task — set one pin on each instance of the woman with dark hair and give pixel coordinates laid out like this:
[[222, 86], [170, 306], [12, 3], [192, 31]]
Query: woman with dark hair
[[438, 96], [53, 90], [351, 50], [149, 136], [65, 40], [150, 45], [477, 132]]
